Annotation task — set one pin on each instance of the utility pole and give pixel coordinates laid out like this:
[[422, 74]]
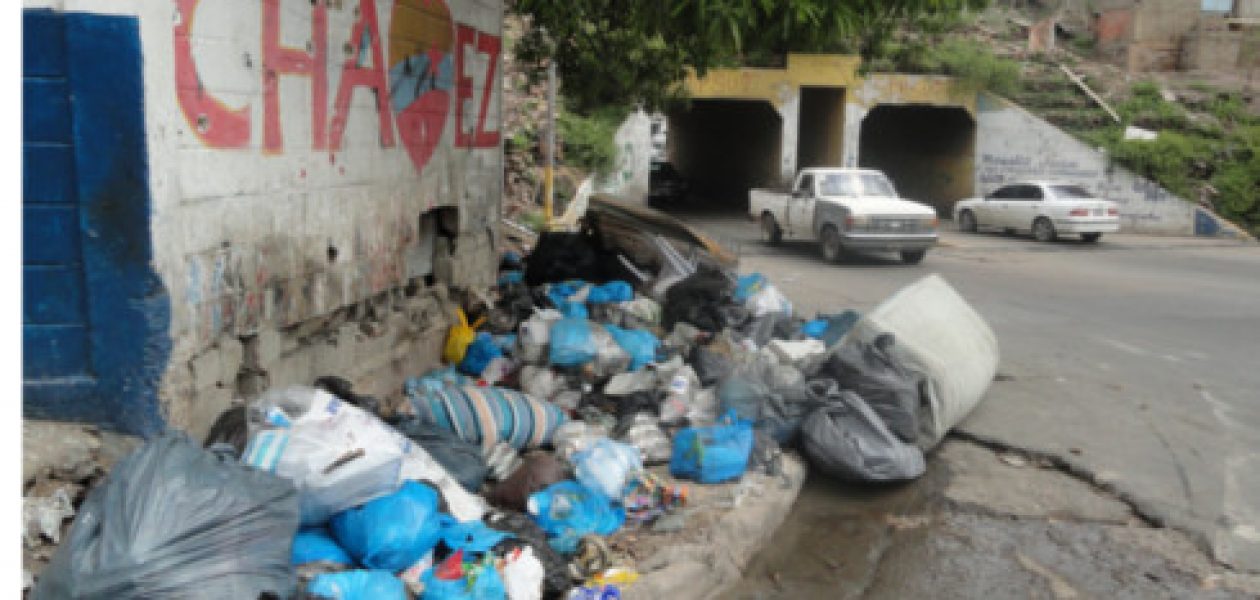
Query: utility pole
[[549, 169]]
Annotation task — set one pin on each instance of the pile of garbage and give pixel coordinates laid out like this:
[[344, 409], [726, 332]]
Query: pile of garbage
[[584, 396]]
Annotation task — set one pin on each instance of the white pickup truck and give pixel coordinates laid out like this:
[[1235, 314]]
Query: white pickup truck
[[845, 209]]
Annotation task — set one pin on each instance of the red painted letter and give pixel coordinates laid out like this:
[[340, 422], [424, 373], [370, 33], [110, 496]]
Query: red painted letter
[[490, 45], [217, 125], [353, 75], [278, 60], [464, 36]]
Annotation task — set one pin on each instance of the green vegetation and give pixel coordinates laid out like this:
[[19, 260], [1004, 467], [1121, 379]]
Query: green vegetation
[[617, 53], [588, 140], [1187, 155]]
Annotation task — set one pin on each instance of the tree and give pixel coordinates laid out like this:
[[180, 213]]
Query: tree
[[626, 52]]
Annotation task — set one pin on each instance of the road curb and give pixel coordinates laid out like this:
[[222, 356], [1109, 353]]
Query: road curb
[[706, 567]]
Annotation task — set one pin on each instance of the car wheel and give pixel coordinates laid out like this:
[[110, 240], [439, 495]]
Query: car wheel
[[1090, 238], [1043, 230], [832, 250], [967, 222], [913, 257], [770, 231]]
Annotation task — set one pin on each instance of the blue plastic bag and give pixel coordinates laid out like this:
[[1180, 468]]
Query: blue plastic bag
[[316, 544], [473, 536], [392, 532], [815, 328], [479, 354], [559, 293], [747, 285], [506, 343], [358, 585], [712, 454], [435, 381], [639, 344], [576, 310], [613, 291], [838, 326], [572, 343], [567, 510]]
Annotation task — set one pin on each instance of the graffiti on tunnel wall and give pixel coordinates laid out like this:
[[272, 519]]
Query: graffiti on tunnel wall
[[428, 74]]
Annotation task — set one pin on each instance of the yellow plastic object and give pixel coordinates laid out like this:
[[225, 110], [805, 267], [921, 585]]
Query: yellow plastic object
[[616, 576], [460, 336]]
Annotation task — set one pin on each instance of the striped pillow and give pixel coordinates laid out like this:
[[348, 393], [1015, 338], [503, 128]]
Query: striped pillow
[[488, 415]]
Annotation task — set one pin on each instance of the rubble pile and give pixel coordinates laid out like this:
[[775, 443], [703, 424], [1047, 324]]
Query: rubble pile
[[589, 408]]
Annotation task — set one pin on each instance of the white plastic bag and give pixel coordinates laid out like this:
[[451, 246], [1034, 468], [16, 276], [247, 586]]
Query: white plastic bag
[[608, 466], [610, 357], [797, 352], [340, 456], [769, 300], [572, 437], [535, 334], [541, 382], [523, 575], [337, 455]]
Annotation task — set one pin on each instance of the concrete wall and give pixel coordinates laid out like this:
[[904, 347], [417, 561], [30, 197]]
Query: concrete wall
[[310, 163], [629, 179], [1012, 145]]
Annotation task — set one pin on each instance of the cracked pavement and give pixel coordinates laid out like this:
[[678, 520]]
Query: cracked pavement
[[1128, 367]]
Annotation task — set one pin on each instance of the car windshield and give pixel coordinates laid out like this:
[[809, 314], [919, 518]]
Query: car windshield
[[1070, 191]]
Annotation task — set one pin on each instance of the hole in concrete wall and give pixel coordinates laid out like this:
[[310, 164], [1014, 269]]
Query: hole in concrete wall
[[725, 147], [820, 137], [927, 151]]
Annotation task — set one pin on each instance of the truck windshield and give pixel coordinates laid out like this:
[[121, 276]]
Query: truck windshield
[[838, 184], [875, 184]]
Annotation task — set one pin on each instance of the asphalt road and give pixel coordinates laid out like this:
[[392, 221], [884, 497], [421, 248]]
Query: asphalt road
[[1135, 361]]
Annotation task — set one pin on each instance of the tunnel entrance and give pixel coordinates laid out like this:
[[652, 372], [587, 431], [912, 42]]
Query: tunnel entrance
[[927, 151], [820, 137], [723, 148]]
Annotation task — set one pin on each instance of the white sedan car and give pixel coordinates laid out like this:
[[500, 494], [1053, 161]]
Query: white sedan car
[[1045, 209]]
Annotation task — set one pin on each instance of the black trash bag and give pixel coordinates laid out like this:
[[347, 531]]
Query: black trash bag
[[710, 367], [556, 580], [698, 300], [174, 521], [343, 389], [560, 256], [873, 371], [787, 407], [847, 440], [230, 430], [461, 459]]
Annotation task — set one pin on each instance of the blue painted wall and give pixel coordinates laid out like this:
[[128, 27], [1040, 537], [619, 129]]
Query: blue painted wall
[[95, 315]]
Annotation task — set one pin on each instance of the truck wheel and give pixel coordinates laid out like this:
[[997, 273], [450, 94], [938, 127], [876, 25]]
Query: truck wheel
[[1090, 238], [829, 238], [770, 232], [913, 257], [1043, 230], [966, 222]]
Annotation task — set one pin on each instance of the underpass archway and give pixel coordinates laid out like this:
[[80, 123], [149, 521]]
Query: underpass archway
[[927, 151], [723, 148]]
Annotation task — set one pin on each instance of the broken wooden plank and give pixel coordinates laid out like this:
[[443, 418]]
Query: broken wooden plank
[[1088, 92]]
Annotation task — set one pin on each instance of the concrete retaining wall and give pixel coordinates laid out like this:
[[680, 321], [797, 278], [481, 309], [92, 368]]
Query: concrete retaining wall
[[1012, 144], [314, 167]]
